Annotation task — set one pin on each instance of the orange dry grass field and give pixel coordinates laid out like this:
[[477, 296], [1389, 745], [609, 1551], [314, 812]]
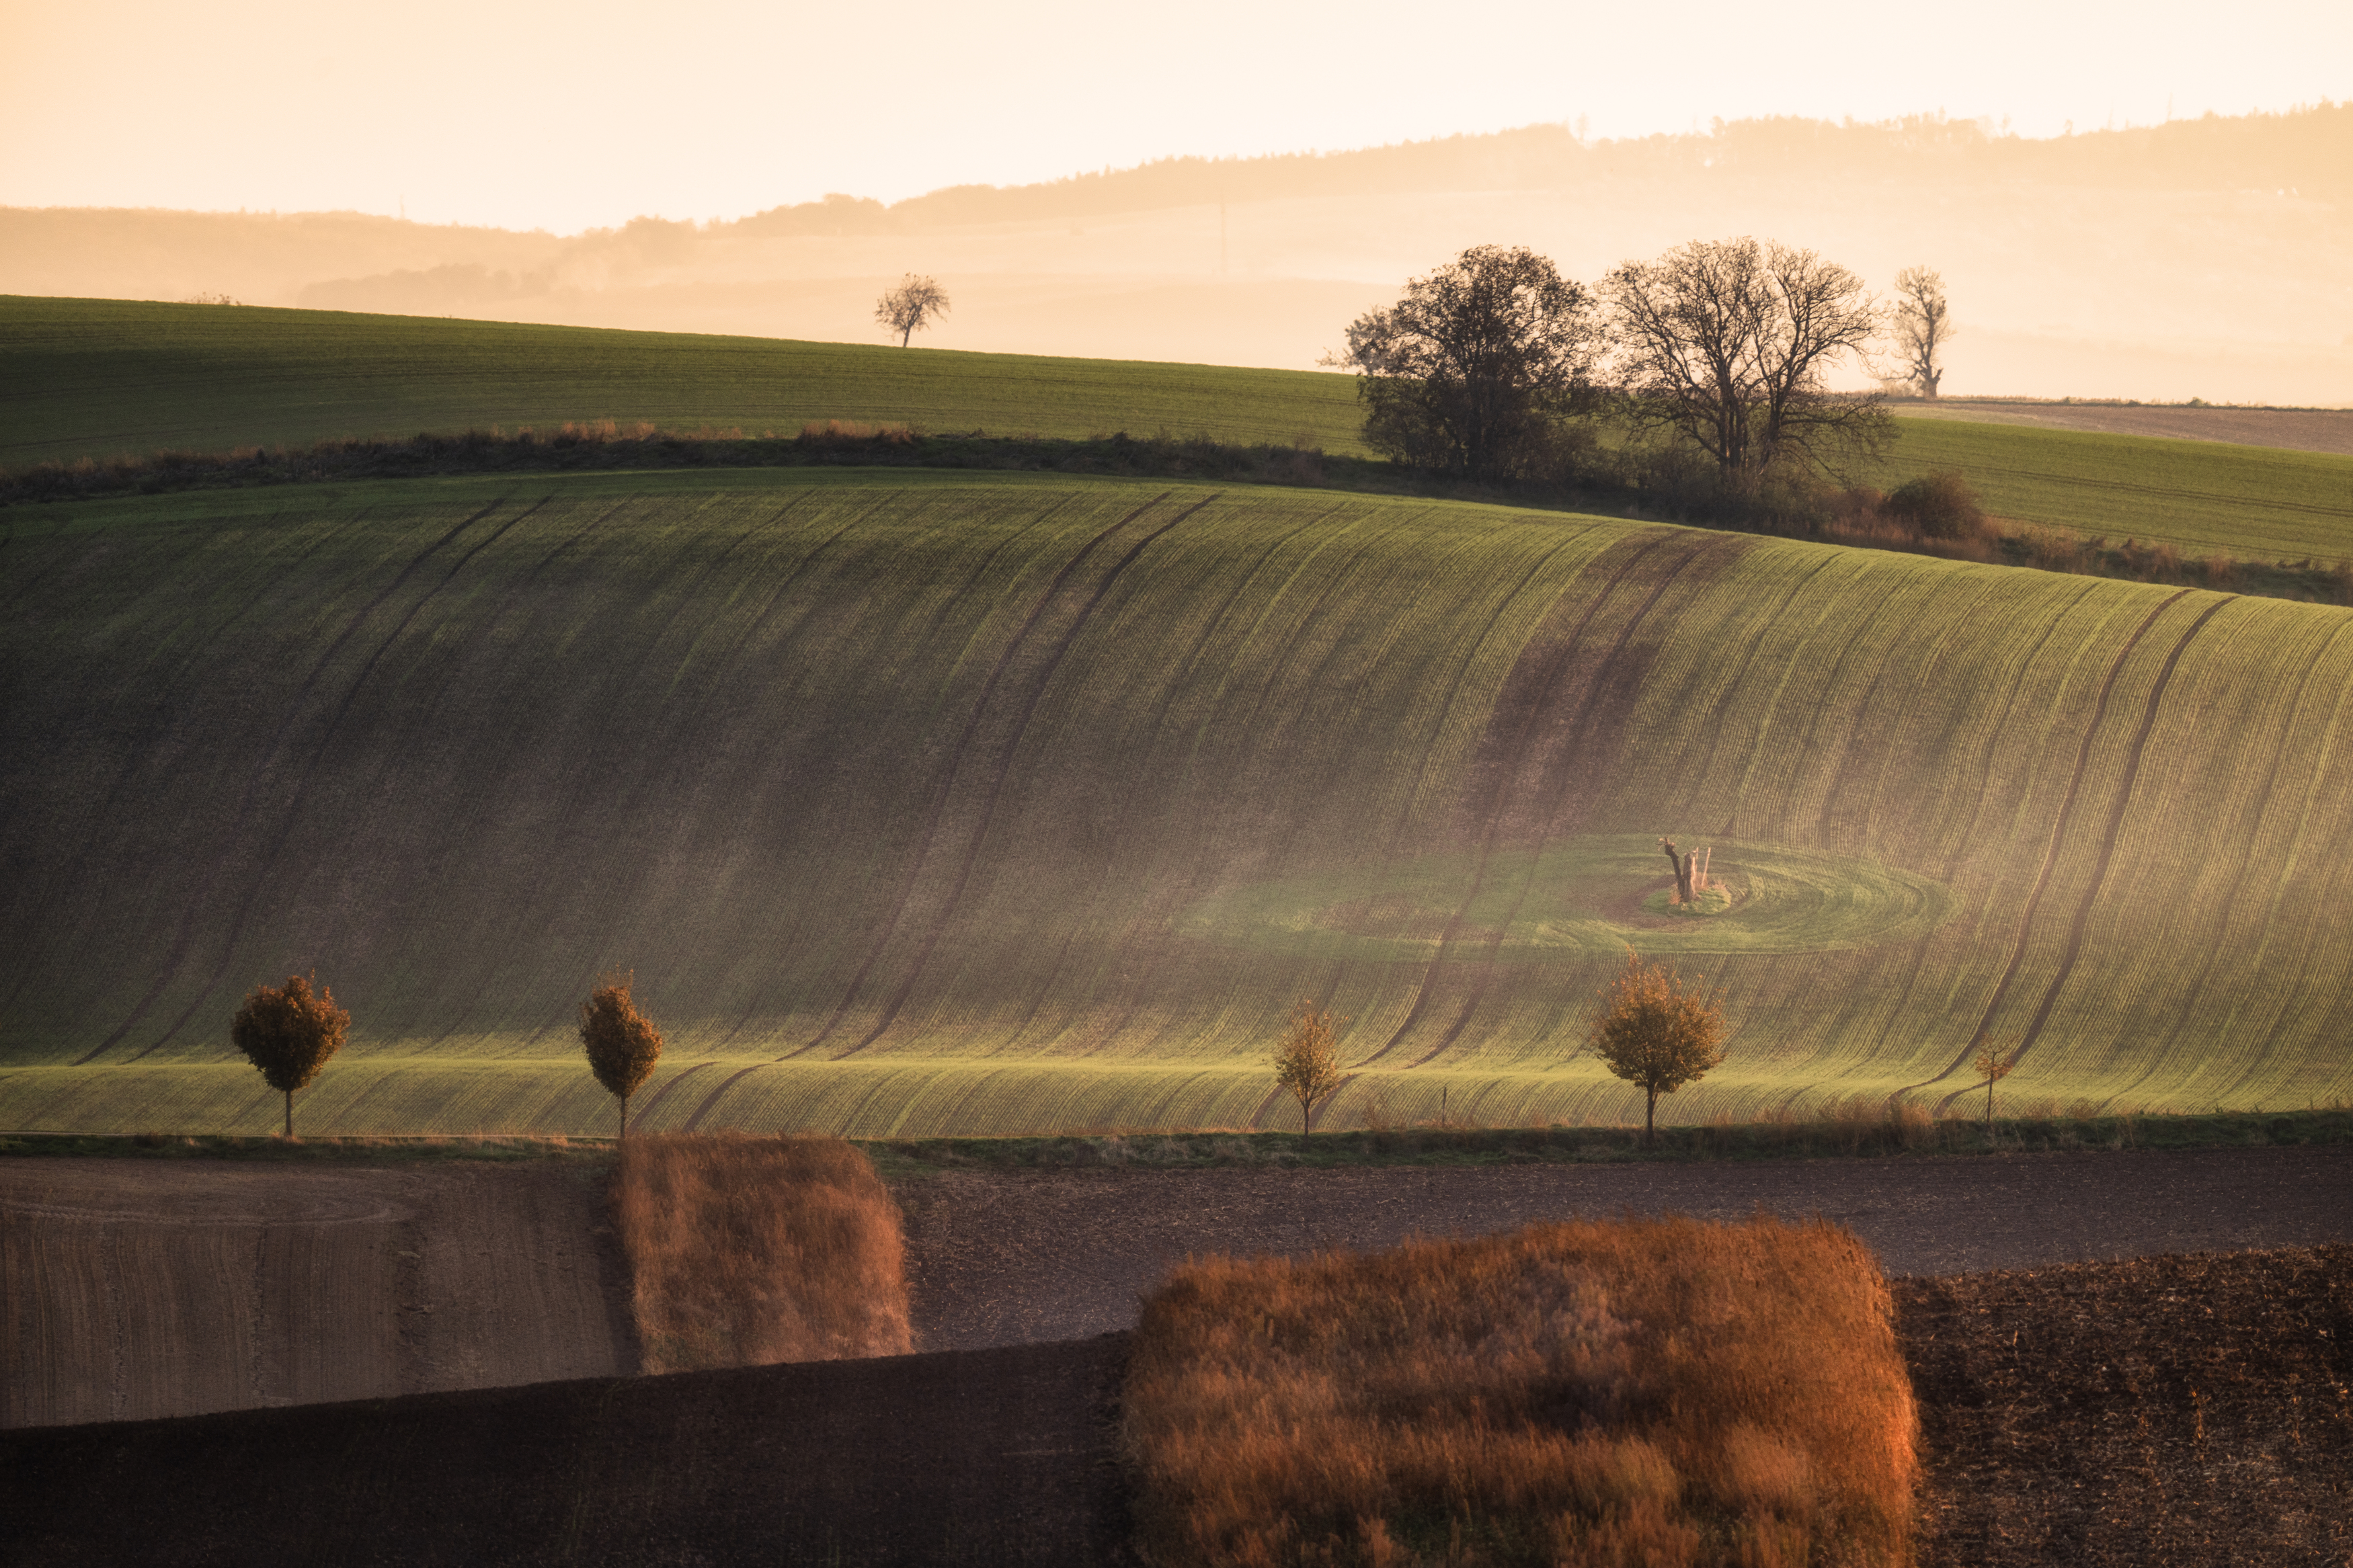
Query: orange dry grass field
[[746, 1251], [1663, 1393]]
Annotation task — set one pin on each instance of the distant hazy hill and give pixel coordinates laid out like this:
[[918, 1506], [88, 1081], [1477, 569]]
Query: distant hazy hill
[[2198, 258]]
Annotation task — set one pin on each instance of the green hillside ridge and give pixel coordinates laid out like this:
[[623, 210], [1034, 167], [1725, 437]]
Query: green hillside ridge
[[101, 378], [940, 803], [94, 378]]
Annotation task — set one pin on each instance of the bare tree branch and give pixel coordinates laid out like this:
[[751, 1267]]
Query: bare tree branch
[[1725, 343], [912, 306], [1923, 324]]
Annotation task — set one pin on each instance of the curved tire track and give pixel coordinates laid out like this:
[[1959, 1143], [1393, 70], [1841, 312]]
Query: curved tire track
[[2051, 851], [1506, 772], [326, 744], [2082, 922], [170, 969]]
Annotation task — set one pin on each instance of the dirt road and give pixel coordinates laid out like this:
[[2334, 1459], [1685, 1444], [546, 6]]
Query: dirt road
[[131, 1288], [1013, 1258]]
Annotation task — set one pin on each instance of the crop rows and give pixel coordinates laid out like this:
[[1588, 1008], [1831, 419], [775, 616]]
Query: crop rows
[[1001, 805]]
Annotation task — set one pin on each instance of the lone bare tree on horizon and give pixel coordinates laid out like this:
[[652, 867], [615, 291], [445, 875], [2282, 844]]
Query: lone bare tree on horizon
[[913, 305], [1923, 324]]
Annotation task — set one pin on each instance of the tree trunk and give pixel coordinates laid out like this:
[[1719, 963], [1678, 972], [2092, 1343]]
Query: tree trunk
[[289, 1112], [625, 1116], [1989, 1083], [1651, 1122], [1304, 1127], [1681, 863]]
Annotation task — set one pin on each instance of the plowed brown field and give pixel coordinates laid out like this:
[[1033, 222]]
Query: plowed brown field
[[137, 1288]]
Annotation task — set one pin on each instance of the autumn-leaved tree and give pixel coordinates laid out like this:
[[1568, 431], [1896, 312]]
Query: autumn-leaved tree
[[1307, 1058], [622, 1043], [913, 305], [1655, 1033], [288, 1031]]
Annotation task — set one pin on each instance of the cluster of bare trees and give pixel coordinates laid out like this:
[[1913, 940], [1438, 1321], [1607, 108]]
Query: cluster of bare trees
[[1489, 366]]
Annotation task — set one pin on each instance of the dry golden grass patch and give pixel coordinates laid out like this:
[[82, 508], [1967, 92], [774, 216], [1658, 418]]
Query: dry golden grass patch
[[745, 1251], [1661, 1393]]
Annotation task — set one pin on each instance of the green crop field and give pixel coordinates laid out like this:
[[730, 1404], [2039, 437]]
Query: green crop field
[[98, 378], [929, 802], [2206, 498]]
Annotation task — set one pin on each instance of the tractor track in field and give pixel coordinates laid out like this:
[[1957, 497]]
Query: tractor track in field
[[1576, 749], [758, 1004], [954, 764], [2082, 921], [2083, 918], [1502, 771], [110, 804], [1036, 694], [2052, 850], [170, 967], [1036, 686]]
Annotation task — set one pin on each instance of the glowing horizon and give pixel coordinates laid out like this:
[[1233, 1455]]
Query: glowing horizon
[[528, 116]]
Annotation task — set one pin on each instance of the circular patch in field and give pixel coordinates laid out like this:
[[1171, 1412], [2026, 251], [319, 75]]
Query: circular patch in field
[[1582, 896]]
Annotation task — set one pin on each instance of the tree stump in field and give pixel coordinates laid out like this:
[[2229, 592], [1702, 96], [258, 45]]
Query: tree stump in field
[[1683, 865]]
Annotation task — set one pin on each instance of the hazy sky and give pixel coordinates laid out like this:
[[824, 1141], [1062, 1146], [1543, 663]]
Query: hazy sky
[[521, 113]]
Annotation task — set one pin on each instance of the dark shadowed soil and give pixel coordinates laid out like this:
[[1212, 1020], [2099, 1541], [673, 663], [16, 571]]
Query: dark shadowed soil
[[987, 1457], [1005, 1258], [2192, 1410]]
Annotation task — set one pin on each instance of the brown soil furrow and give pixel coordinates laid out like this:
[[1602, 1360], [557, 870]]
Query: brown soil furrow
[[2051, 851], [168, 969], [996, 789], [954, 764], [1502, 771], [2082, 922], [153, 1289]]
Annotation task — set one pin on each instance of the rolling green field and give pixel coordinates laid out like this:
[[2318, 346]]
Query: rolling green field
[[2258, 503], [98, 378], [928, 803]]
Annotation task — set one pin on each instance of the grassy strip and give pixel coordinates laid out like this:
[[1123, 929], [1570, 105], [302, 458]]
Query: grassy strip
[[1211, 1149], [1667, 1392], [751, 1251]]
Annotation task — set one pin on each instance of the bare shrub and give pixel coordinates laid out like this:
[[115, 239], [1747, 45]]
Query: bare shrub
[[1662, 1392], [745, 1251], [1939, 506]]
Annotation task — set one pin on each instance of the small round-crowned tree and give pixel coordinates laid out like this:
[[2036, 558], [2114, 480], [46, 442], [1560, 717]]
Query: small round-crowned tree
[[1307, 1058], [1656, 1034], [622, 1043], [288, 1031]]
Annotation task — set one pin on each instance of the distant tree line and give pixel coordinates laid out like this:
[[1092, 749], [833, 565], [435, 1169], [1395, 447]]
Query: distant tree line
[[1715, 356]]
